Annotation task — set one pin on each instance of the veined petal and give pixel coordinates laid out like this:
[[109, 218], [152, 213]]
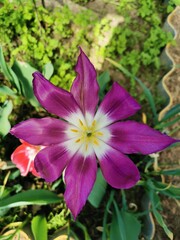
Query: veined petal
[[132, 137], [117, 105], [23, 158], [80, 176], [54, 99], [44, 131], [51, 161], [118, 170], [85, 87]]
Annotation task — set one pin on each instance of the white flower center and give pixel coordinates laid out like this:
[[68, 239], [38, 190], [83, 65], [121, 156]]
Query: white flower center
[[87, 135]]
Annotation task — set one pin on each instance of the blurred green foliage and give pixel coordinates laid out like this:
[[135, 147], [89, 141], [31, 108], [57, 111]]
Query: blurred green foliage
[[34, 34], [37, 35], [141, 38]]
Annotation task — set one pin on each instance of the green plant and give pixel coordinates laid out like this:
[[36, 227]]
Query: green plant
[[38, 35], [139, 40]]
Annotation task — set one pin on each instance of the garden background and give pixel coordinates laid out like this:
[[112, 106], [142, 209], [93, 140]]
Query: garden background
[[137, 44]]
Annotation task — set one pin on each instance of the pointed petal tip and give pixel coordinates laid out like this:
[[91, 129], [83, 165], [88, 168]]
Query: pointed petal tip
[[37, 73], [132, 181], [11, 131], [131, 137], [73, 211]]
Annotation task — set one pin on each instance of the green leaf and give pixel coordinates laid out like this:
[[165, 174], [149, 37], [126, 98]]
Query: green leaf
[[148, 228], [30, 197], [173, 172], [106, 213], [117, 230], [172, 112], [132, 225], [98, 190], [167, 189], [39, 228], [8, 72], [84, 229], [162, 223], [103, 80], [153, 197], [7, 91], [48, 70], [24, 72], [147, 92], [124, 226], [5, 111], [168, 124]]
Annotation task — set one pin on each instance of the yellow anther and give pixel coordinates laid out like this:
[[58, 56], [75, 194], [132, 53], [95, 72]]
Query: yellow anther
[[96, 142], [144, 118], [74, 130], [99, 133], [81, 122], [86, 147], [78, 140], [94, 123]]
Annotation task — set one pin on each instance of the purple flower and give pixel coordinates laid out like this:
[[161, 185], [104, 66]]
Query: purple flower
[[85, 135]]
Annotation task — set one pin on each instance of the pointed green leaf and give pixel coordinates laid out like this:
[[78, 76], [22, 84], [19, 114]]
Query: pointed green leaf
[[132, 225], [30, 197], [153, 197], [48, 70], [8, 72], [7, 91], [39, 228], [5, 111], [24, 72], [124, 226], [162, 223], [174, 172], [167, 189], [164, 125], [103, 80], [98, 190], [172, 112], [117, 230], [148, 228]]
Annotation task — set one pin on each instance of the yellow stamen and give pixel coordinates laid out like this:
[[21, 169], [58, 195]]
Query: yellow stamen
[[74, 130], [86, 147], [94, 123], [81, 122], [78, 140], [99, 133], [96, 142]]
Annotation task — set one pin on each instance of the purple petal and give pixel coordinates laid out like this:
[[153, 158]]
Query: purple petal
[[118, 104], [118, 170], [54, 99], [80, 176], [132, 137], [44, 131], [85, 87], [51, 161]]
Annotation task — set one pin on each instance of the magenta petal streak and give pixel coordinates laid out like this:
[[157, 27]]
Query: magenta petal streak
[[117, 105], [51, 161], [80, 176], [43, 131], [55, 100], [133, 137], [85, 87]]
